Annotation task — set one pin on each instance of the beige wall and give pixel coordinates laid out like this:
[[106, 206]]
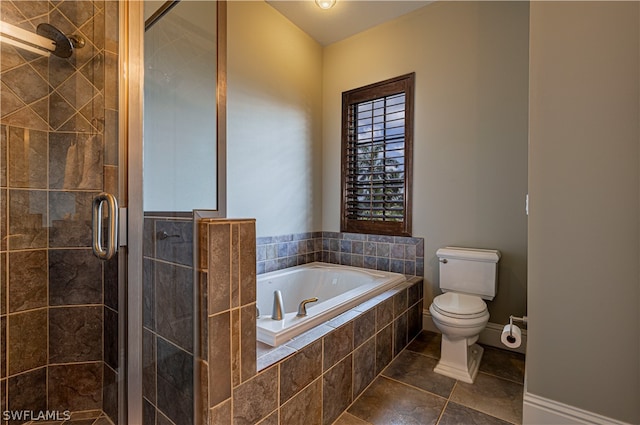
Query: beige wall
[[584, 294], [472, 98], [274, 121], [470, 169]]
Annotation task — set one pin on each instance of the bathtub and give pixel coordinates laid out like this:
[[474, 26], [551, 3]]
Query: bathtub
[[338, 289]]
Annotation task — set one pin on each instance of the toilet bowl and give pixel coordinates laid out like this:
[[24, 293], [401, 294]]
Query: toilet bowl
[[460, 318], [468, 277]]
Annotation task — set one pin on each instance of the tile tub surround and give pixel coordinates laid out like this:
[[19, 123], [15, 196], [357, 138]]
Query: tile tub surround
[[387, 253], [59, 312], [313, 378], [283, 251], [410, 392], [318, 374], [399, 306]]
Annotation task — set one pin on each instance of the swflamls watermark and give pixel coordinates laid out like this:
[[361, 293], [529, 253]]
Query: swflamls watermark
[[36, 415]]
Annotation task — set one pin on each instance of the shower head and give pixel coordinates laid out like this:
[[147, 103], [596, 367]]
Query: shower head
[[64, 44]]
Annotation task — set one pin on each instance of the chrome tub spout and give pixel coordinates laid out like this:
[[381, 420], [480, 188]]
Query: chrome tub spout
[[302, 308]]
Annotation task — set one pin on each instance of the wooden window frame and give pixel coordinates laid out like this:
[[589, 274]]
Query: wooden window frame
[[404, 83]]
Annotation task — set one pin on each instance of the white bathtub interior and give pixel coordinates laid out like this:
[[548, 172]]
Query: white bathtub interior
[[338, 289]]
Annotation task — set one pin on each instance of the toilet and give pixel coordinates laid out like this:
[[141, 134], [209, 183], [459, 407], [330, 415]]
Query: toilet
[[467, 277]]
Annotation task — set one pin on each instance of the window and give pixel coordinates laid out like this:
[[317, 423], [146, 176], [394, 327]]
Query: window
[[377, 151]]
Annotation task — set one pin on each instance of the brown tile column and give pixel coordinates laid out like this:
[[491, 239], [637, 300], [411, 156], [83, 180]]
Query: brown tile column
[[227, 272]]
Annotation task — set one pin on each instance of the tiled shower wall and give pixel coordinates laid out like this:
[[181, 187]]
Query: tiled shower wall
[[59, 312], [168, 341], [388, 253], [316, 375]]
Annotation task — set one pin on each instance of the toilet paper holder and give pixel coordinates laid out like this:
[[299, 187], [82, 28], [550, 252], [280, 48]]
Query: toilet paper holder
[[512, 318]]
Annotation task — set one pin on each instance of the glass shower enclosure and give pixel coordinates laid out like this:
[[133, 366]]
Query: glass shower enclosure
[[60, 305], [93, 329]]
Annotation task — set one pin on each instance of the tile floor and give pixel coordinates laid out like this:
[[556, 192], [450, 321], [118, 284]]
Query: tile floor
[[409, 392]]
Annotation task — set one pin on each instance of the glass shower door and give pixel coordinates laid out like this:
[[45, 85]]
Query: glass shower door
[[59, 304]]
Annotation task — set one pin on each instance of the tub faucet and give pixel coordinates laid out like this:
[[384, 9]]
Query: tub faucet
[[278, 306], [302, 308]]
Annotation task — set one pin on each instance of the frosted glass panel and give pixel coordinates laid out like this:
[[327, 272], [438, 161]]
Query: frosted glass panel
[[180, 109]]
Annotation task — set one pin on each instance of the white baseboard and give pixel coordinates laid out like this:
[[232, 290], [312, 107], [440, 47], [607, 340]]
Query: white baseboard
[[543, 411], [489, 336]]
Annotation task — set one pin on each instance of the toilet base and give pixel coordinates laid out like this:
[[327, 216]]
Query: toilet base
[[458, 360]]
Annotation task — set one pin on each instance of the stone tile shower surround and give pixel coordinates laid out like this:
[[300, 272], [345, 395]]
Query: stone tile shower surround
[[59, 311], [387, 253], [311, 379], [168, 318]]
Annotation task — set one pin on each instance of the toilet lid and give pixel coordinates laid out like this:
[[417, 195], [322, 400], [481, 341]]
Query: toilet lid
[[454, 304]]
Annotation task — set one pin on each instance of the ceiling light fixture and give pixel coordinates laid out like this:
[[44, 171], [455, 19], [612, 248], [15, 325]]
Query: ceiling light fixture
[[325, 4]]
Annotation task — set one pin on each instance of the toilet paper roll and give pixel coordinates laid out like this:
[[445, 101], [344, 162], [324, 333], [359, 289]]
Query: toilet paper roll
[[511, 336]]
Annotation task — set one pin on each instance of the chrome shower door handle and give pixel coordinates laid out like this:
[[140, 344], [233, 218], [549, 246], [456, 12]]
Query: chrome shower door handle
[[112, 226]]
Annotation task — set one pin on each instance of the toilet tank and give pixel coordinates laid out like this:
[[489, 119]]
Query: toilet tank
[[469, 270]]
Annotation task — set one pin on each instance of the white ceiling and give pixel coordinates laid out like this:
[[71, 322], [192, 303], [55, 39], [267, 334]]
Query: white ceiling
[[346, 18]]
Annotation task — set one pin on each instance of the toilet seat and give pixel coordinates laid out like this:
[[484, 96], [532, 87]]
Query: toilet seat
[[459, 306]]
